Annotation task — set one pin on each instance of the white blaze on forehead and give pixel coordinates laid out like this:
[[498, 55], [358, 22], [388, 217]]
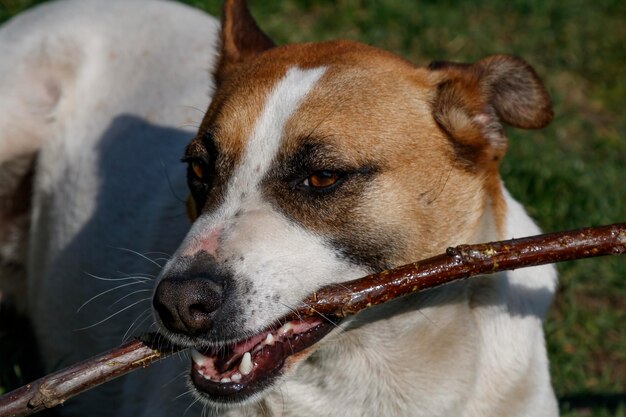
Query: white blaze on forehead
[[261, 148], [264, 143]]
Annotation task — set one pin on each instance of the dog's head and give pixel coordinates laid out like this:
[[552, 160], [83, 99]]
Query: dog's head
[[319, 163]]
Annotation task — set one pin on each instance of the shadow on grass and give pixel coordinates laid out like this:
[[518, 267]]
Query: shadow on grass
[[592, 401], [19, 358]]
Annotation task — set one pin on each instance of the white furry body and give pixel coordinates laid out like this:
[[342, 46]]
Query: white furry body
[[108, 93]]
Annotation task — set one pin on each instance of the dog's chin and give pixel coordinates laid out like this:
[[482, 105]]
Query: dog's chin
[[240, 372]]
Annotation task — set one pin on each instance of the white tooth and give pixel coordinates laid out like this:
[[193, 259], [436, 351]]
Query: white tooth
[[197, 357], [269, 340], [286, 327], [246, 364], [225, 380], [236, 377]]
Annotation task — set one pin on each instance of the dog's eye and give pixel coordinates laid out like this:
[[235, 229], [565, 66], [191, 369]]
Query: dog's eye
[[197, 169], [321, 179]]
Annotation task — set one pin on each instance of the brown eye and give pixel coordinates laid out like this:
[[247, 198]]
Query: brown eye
[[197, 169], [321, 179]]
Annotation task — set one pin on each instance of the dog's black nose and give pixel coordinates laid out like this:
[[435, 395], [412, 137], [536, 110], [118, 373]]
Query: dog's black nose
[[187, 305]]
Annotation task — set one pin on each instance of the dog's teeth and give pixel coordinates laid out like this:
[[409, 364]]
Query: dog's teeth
[[245, 367], [269, 340], [223, 380], [197, 357], [286, 328], [236, 377]]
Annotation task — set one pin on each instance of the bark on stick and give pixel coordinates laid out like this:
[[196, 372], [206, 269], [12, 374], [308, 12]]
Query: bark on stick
[[462, 262], [56, 388], [337, 301]]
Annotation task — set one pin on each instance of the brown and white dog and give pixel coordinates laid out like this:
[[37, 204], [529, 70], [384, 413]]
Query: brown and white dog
[[314, 163]]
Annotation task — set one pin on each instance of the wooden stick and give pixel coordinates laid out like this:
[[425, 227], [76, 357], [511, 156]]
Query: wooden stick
[[54, 389], [462, 262], [339, 301]]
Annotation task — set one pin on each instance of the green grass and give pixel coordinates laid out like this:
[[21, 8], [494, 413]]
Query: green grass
[[571, 174]]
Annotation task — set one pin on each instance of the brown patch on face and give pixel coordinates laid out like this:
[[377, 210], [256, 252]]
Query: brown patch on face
[[402, 196], [472, 102], [240, 97], [417, 149]]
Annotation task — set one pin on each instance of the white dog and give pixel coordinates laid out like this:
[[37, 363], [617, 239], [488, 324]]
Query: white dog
[[315, 163]]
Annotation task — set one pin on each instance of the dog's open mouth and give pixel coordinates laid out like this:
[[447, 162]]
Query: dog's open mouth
[[234, 372]]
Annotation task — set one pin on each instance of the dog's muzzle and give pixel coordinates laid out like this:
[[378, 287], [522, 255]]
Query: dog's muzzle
[[198, 306]]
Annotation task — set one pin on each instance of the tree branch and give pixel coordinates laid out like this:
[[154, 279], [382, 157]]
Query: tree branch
[[54, 389], [349, 298], [462, 262]]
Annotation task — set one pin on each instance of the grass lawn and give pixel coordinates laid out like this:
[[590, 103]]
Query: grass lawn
[[571, 174]]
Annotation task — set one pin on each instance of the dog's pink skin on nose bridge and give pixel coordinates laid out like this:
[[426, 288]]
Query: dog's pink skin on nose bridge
[[207, 243]]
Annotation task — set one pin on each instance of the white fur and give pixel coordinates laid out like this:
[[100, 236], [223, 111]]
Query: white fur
[[283, 262], [267, 135], [94, 86]]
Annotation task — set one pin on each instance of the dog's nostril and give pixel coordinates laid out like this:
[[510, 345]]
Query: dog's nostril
[[187, 305]]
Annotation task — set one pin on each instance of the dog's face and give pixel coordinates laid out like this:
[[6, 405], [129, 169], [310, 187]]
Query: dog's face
[[320, 163]]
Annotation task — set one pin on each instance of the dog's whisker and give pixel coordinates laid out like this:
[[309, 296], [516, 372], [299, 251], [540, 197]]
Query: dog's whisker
[[429, 319], [188, 106], [158, 253], [169, 183], [130, 294], [442, 187], [125, 278], [190, 405], [293, 310], [322, 315], [114, 314], [187, 392], [180, 375], [147, 316], [162, 259], [191, 125], [141, 255], [128, 284], [139, 275]]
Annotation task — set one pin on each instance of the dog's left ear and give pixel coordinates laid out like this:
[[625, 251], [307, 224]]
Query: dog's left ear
[[473, 100], [241, 37]]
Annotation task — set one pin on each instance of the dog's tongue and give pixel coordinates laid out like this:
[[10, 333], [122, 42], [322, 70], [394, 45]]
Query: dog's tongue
[[239, 370]]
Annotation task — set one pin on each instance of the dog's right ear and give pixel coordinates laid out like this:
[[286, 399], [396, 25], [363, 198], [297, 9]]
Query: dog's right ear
[[474, 100], [241, 37]]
